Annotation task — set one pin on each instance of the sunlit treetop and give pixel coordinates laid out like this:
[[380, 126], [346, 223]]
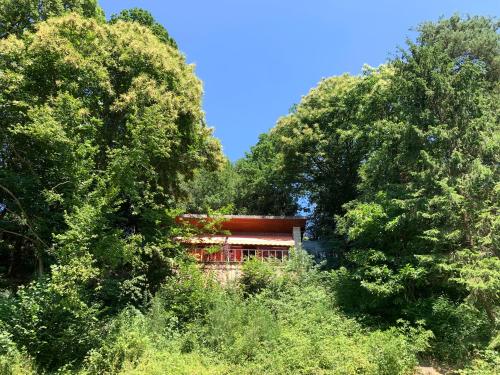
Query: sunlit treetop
[[16, 16]]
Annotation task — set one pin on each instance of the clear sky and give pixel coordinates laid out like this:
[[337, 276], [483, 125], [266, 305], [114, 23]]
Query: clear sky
[[258, 57]]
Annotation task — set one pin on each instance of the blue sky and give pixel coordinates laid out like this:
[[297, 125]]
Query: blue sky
[[258, 57]]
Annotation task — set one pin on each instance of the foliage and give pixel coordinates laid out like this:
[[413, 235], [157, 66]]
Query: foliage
[[262, 188], [188, 294], [473, 35], [481, 277], [126, 343], [212, 190], [324, 140], [238, 330], [460, 330], [103, 144], [12, 360], [17, 16], [99, 125], [419, 207], [486, 363], [256, 275], [399, 166], [252, 185], [296, 329], [144, 18], [51, 321]]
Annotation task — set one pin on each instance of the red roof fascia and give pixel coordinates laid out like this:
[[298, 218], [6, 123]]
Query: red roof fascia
[[255, 224]]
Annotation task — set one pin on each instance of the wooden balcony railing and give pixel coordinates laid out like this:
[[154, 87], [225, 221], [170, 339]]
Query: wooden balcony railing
[[240, 255]]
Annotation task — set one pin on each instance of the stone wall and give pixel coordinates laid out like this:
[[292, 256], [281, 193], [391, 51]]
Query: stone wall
[[224, 272]]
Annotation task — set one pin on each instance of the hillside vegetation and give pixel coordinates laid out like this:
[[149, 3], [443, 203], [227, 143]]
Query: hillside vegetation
[[103, 142]]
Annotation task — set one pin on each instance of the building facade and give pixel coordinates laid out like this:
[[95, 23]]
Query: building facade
[[241, 237]]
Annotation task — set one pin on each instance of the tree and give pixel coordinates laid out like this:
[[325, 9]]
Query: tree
[[17, 16], [98, 126], [324, 141], [144, 18], [310, 159], [263, 188], [473, 37], [212, 189], [425, 222]]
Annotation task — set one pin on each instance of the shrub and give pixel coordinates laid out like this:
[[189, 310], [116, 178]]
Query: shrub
[[239, 329], [345, 290], [125, 344], [55, 328], [12, 360], [175, 363], [301, 266], [316, 338], [257, 275], [189, 294], [459, 330], [487, 362], [293, 329]]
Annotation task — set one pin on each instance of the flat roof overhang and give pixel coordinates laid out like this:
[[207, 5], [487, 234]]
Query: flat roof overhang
[[253, 223]]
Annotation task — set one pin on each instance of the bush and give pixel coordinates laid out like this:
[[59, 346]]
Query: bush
[[239, 329], [12, 360], [125, 344], [487, 362], [257, 275], [195, 326], [294, 328], [459, 330], [55, 328], [301, 267], [138, 343], [189, 294], [314, 337]]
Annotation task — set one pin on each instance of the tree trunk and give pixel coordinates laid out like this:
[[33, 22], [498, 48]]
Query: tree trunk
[[40, 265], [11, 262]]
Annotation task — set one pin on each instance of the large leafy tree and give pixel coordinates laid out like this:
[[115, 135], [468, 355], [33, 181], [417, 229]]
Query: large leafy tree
[[310, 159], [401, 163], [98, 124], [426, 221], [263, 188], [212, 189], [324, 140]]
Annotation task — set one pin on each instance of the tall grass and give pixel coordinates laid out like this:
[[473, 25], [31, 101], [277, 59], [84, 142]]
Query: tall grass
[[288, 325]]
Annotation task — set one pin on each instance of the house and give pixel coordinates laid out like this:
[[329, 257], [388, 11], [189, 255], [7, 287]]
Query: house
[[241, 237]]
